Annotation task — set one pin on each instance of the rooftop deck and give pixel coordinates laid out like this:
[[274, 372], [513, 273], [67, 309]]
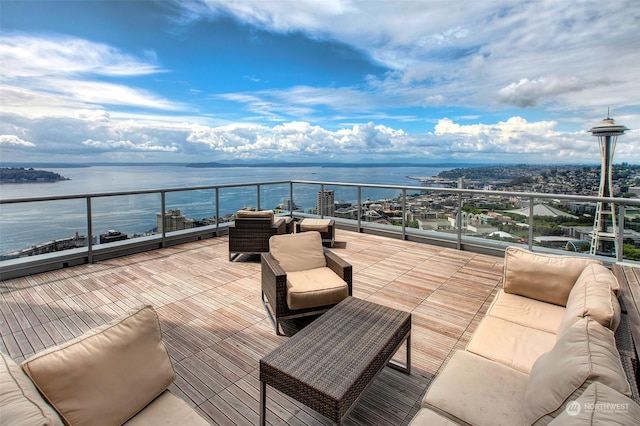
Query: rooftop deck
[[216, 328]]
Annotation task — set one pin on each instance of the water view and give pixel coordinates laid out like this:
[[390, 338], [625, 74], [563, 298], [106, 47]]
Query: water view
[[24, 225]]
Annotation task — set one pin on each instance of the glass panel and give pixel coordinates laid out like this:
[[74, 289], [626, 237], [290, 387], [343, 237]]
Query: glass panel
[[125, 216], [275, 197], [237, 198], [33, 228], [189, 209]]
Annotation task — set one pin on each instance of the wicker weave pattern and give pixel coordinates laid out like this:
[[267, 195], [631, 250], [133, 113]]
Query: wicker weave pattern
[[274, 286], [251, 235], [331, 362]]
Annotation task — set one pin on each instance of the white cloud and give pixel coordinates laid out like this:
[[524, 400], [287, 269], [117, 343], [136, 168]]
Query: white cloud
[[15, 141], [32, 56]]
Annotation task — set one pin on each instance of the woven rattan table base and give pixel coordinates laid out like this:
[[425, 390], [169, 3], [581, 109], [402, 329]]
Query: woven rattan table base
[[329, 364]]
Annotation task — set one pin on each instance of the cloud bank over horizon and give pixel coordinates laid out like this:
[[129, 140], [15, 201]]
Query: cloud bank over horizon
[[344, 81]]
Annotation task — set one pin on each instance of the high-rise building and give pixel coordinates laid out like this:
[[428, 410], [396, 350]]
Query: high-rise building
[[173, 221], [605, 231], [325, 203]]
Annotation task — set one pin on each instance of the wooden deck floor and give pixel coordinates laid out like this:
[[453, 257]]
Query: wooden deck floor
[[216, 328]]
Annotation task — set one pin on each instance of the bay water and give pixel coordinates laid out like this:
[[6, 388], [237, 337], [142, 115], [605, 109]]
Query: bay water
[[26, 224]]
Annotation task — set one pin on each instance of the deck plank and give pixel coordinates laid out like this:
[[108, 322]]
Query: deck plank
[[216, 328]]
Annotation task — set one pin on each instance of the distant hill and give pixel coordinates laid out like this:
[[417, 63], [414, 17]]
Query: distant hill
[[22, 175]]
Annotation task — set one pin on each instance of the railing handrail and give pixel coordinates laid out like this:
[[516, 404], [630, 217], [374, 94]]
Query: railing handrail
[[539, 195]]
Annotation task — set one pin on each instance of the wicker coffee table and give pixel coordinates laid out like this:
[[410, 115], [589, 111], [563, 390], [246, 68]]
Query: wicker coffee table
[[329, 363]]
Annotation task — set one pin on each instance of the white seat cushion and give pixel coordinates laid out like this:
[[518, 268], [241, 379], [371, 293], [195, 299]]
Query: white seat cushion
[[315, 287], [475, 390], [528, 312], [511, 344]]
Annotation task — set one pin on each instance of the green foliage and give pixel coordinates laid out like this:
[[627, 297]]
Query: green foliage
[[631, 252]]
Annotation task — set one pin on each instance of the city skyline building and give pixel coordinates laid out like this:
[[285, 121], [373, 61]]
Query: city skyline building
[[325, 202], [605, 230]]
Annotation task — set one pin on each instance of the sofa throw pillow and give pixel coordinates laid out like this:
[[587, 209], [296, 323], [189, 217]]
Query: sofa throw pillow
[[545, 277], [593, 295], [20, 402], [599, 404], [585, 353], [108, 374], [298, 252]]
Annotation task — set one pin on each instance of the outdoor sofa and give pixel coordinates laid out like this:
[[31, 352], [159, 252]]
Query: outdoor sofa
[[114, 374], [545, 353]]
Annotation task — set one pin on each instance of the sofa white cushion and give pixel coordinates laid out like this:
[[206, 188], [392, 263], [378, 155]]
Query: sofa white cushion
[[315, 287], [20, 402], [166, 410], [527, 312], [511, 344], [545, 277], [593, 295], [599, 405], [108, 374], [475, 390], [427, 417], [584, 354], [298, 252]]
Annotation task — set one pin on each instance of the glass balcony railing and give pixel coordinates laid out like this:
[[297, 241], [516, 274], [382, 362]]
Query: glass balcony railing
[[88, 227]]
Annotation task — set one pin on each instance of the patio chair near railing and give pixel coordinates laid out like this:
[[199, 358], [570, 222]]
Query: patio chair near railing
[[302, 278], [252, 229]]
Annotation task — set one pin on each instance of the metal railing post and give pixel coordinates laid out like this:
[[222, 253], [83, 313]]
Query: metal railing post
[[217, 211], [290, 199], [258, 208], [321, 206], [162, 216], [359, 208], [89, 232], [531, 201], [620, 236], [404, 212], [459, 222]]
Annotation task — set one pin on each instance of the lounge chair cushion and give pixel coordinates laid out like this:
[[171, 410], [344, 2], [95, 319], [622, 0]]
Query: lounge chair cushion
[[475, 390], [545, 277], [315, 287], [106, 375], [585, 353], [511, 344], [320, 225], [599, 405], [593, 295], [20, 402], [298, 252], [253, 214], [527, 312]]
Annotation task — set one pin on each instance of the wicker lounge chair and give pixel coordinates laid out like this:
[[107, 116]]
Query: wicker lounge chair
[[252, 229], [301, 278]]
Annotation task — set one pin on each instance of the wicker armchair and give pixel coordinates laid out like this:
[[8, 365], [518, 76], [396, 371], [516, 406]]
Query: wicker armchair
[[301, 278], [252, 229]]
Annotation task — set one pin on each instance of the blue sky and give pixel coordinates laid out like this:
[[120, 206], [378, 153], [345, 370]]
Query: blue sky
[[497, 81]]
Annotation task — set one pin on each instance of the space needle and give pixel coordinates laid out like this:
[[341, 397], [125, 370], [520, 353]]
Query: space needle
[[604, 238]]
